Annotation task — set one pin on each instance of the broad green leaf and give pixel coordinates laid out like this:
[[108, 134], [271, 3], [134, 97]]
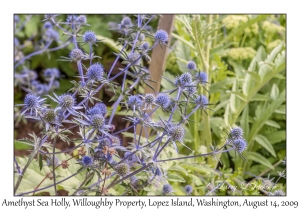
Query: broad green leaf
[[265, 143], [272, 123], [195, 179], [259, 159], [175, 178], [276, 137], [274, 92], [178, 168], [234, 101]]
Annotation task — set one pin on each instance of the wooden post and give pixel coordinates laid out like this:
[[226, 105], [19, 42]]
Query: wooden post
[[159, 55], [158, 59]]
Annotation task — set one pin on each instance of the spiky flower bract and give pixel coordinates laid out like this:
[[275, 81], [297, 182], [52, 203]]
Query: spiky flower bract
[[188, 189], [76, 54], [67, 101], [163, 100], [89, 37], [176, 132], [161, 36], [95, 72], [201, 77], [167, 189], [87, 160], [122, 169], [239, 145], [191, 65]]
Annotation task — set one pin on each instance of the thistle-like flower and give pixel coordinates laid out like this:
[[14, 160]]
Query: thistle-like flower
[[76, 55], [66, 103], [236, 133], [161, 36], [162, 100], [122, 169], [95, 72], [201, 101], [191, 65], [32, 103], [102, 107], [89, 37], [201, 78], [239, 145], [167, 189], [134, 101], [149, 99], [186, 78], [87, 161], [176, 133], [188, 189]]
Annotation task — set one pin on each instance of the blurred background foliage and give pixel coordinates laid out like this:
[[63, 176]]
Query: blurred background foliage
[[244, 56]]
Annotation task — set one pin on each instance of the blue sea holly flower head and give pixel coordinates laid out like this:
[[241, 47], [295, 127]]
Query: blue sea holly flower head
[[106, 142], [126, 21], [201, 101], [149, 99], [162, 100], [50, 117], [71, 19], [239, 145], [51, 34], [130, 159], [47, 25], [95, 72], [122, 169], [186, 78], [81, 19], [161, 36], [51, 73], [66, 103], [102, 107], [93, 111], [134, 102], [145, 46], [86, 161], [201, 77], [32, 103], [167, 189], [191, 65], [76, 55], [176, 133], [236, 133], [89, 37], [188, 189]]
